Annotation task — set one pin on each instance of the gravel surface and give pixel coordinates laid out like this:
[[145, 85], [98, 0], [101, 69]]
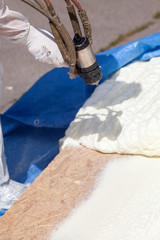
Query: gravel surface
[[108, 18]]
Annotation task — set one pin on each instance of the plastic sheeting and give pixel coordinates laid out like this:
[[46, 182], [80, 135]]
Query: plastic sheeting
[[33, 126]]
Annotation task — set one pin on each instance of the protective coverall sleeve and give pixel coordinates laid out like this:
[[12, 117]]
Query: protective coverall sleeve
[[13, 25]]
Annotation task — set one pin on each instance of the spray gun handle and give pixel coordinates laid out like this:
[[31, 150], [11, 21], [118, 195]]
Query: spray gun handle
[[87, 65]]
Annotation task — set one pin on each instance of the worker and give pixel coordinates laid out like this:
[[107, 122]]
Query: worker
[[41, 44]]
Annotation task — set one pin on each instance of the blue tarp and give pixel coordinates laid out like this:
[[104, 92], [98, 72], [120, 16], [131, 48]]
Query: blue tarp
[[33, 126]]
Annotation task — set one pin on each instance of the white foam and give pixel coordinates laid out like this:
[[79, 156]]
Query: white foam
[[124, 205], [123, 113]]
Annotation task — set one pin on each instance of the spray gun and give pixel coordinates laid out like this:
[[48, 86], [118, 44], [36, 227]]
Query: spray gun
[[77, 52]]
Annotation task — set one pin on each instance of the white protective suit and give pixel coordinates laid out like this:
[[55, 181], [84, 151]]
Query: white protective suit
[[41, 44]]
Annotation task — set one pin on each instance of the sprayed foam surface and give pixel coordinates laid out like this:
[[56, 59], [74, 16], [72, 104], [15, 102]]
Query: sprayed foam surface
[[125, 204], [121, 116], [123, 113]]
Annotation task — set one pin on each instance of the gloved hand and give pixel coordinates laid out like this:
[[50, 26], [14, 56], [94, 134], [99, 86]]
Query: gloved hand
[[42, 45]]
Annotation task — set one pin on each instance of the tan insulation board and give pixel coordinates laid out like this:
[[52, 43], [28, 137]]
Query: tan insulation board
[[66, 181]]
